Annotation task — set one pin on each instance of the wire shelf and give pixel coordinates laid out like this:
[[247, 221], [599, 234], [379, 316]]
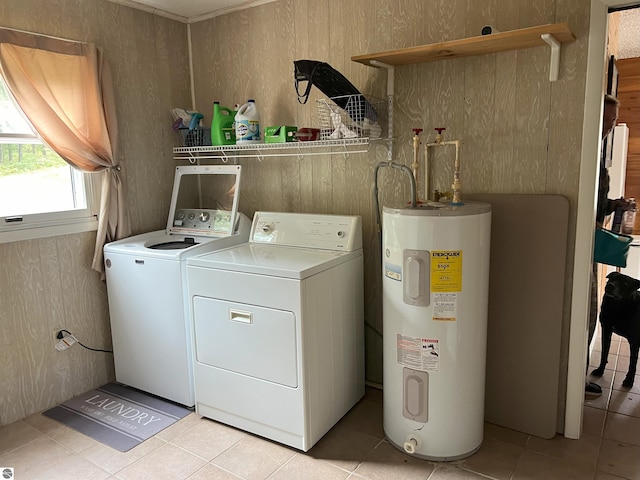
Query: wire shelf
[[225, 153]]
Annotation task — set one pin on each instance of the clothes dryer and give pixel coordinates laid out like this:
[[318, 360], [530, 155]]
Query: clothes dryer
[[279, 327], [146, 281]]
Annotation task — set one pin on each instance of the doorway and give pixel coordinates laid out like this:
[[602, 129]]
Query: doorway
[[586, 212]]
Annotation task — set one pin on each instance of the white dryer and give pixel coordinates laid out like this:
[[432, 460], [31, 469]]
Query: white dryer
[[147, 286], [279, 327]]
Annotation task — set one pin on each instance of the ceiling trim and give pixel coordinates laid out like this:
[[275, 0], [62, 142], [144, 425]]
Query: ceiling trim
[[152, 10], [196, 18], [224, 11]]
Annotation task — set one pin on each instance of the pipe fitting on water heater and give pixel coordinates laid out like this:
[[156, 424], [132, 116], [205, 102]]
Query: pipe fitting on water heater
[[411, 444], [416, 149], [456, 186]]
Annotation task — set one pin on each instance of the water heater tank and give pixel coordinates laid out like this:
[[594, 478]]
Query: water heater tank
[[435, 288]]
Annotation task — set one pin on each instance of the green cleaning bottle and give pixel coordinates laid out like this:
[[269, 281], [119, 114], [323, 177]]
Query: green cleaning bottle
[[223, 131]]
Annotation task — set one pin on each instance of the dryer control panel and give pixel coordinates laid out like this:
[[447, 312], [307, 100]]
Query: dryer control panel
[[330, 232]]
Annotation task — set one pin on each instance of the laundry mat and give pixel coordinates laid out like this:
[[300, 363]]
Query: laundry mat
[[117, 416]]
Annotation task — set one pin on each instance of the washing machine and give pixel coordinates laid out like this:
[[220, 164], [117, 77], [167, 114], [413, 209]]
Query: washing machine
[[146, 281], [279, 327]]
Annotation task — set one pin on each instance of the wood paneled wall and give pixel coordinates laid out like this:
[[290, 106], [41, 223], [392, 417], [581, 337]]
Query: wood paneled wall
[[613, 33], [48, 284], [629, 96]]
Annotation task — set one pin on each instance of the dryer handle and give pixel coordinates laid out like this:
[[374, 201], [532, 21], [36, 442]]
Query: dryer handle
[[240, 316]]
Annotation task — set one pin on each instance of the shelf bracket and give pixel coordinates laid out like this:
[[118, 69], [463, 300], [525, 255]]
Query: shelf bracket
[[554, 64], [390, 93]]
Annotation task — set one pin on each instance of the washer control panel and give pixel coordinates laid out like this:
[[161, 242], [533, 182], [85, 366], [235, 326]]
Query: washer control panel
[[200, 220], [331, 232]]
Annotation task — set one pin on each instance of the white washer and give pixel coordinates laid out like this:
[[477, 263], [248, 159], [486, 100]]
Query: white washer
[[146, 281], [279, 327]]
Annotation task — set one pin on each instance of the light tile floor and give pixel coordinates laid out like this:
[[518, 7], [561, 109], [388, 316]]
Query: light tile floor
[[196, 448]]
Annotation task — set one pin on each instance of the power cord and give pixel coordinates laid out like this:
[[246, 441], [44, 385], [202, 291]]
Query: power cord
[[61, 336]]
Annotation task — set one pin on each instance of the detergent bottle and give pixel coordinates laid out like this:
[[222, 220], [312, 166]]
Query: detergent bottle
[[248, 124], [222, 127]]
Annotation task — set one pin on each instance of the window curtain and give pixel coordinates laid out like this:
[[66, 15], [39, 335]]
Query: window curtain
[[65, 90]]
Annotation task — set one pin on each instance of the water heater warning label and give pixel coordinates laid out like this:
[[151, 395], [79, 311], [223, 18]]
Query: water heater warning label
[[446, 271], [418, 353], [445, 307]]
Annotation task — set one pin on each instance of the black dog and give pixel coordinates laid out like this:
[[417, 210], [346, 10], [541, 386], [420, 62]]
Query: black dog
[[620, 313]]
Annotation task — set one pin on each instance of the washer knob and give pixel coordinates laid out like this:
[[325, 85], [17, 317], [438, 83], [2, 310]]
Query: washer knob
[[340, 233], [267, 228]]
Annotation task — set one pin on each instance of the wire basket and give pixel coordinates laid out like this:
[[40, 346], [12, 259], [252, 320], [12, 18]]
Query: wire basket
[[197, 137], [352, 116]]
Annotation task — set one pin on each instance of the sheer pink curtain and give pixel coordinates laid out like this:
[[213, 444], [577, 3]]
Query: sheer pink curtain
[[65, 90]]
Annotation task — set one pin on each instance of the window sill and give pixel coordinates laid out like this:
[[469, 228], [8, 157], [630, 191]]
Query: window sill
[[32, 232]]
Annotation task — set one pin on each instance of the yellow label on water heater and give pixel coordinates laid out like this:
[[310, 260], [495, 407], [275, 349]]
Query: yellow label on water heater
[[446, 271]]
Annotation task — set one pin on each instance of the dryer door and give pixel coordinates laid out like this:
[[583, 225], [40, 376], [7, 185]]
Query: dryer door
[[255, 341]]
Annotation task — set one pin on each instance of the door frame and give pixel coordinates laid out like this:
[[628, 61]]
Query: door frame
[[586, 212]]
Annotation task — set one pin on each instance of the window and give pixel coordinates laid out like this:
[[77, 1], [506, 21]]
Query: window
[[40, 194]]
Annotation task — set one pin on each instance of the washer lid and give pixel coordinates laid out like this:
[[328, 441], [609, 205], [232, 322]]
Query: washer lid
[[273, 260], [140, 246], [204, 202]]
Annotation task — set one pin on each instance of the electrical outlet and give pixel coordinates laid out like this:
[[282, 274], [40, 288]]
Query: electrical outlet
[[64, 340], [57, 336]]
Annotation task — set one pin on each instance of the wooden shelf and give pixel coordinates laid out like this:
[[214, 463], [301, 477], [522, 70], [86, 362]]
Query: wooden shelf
[[495, 42]]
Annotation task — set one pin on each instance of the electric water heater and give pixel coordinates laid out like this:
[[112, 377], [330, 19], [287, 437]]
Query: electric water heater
[[435, 289]]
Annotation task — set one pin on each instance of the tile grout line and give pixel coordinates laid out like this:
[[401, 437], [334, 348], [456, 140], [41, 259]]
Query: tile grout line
[[289, 460]]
